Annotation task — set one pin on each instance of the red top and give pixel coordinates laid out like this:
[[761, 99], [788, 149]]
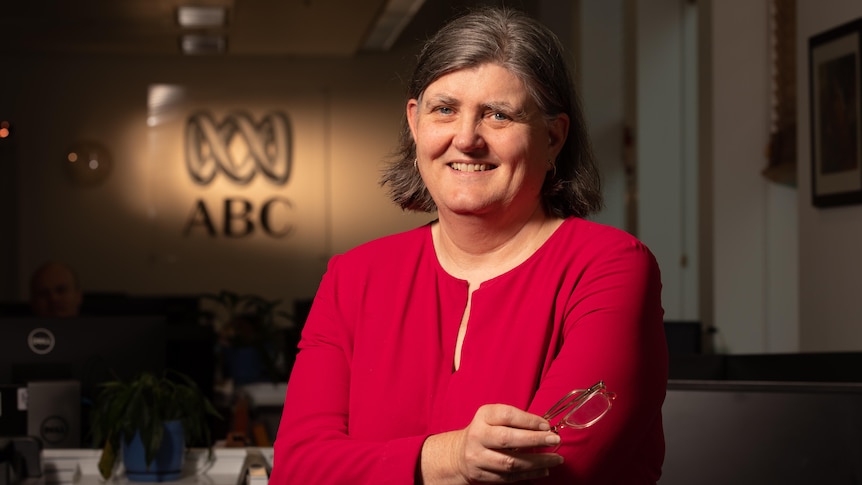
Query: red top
[[374, 376]]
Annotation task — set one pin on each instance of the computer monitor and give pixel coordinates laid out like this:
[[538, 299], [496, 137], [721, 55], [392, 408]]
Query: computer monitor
[[89, 350]]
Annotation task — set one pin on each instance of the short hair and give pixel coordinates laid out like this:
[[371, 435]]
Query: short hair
[[37, 275], [534, 54]]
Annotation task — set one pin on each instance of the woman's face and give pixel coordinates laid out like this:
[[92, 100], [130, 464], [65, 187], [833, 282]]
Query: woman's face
[[482, 144]]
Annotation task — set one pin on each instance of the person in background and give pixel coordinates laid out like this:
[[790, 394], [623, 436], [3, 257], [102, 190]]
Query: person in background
[[432, 356], [55, 291]]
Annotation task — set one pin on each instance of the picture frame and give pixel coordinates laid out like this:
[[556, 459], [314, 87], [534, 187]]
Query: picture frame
[[835, 83]]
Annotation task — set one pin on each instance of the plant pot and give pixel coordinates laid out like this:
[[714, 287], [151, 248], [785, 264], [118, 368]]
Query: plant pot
[[245, 365], [168, 462]]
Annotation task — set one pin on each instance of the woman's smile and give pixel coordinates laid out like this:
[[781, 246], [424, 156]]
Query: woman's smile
[[471, 167]]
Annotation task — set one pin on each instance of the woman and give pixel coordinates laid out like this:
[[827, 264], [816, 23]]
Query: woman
[[431, 356]]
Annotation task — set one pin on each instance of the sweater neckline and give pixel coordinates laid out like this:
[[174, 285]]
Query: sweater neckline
[[517, 269]]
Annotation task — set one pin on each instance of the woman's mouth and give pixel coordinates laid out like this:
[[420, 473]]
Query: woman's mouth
[[471, 167]]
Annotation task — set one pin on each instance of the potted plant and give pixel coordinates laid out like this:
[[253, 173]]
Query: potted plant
[[151, 418], [251, 336]]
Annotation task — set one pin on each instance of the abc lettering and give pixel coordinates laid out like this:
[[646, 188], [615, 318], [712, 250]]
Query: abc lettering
[[240, 219]]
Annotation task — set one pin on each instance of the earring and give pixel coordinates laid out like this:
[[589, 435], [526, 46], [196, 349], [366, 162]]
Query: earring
[[553, 168], [416, 164]]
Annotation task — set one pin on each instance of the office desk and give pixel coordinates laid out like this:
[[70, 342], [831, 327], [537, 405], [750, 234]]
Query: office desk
[[80, 467], [722, 432]]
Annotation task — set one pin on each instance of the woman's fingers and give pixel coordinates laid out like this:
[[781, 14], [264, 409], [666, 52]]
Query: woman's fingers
[[494, 440], [513, 466], [505, 415], [506, 427]]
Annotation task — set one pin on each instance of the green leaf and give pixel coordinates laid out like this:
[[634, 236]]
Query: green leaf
[[107, 460]]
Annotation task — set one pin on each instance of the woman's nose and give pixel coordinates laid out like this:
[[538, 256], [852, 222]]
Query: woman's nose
[[469, 137]]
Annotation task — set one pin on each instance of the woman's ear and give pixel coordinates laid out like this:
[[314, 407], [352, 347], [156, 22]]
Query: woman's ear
[[412, 112], [558, 131]]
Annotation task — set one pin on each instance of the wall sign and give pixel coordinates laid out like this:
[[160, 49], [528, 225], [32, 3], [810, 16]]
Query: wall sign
[[238, 148]]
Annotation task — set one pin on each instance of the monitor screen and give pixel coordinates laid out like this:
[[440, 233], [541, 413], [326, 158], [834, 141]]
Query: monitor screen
[[91, 350]]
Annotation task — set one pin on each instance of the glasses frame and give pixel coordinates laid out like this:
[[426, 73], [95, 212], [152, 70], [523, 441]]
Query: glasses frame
[[573, 401]]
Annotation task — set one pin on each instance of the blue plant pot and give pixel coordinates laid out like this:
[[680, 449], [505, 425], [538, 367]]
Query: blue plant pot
[[168, 462], [245, 365]]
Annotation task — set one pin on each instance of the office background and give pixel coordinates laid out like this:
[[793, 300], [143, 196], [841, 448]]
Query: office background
[[692, 80]]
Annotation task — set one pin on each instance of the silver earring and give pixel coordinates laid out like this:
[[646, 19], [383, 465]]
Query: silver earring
[[416, 164], [553, 168]]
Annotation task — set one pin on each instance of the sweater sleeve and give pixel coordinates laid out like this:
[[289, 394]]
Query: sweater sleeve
[[313, 443], [613, 331]]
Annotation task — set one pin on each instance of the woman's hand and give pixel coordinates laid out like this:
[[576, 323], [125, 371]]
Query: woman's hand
[[493, 448]]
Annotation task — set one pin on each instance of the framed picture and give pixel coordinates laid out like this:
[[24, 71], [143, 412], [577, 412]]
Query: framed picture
[[835, 80]]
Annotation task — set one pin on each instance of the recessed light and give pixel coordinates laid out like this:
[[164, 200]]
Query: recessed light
[[199, 44], [201, 16]]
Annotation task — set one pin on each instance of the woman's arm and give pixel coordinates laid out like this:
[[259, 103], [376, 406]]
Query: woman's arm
[[613, 331], [312, 445]]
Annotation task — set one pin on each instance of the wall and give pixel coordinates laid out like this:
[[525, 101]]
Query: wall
[[637, 72], [8, 222], [829, 239], [601, 77], [665, 136], [749, 231], [126, 235]]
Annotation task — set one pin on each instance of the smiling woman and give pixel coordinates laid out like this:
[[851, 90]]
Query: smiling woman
[[483, 120], [431, 356]]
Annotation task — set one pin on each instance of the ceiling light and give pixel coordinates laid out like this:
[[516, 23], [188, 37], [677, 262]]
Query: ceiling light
[[390, 23], [196, 44], [201, 17]]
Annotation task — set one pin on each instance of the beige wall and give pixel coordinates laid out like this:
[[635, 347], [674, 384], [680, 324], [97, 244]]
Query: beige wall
[[743, 207], [127, 234]]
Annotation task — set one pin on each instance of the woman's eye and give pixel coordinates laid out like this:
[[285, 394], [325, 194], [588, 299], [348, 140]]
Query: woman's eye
[[499, 117], [445, 110]]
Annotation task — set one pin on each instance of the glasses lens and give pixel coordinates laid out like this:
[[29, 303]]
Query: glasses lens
[[589, 411]]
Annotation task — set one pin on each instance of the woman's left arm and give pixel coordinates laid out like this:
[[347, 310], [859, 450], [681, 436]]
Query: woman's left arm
[[613, 331]]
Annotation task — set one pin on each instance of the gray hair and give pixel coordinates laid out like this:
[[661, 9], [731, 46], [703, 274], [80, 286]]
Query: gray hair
[[530, 51]]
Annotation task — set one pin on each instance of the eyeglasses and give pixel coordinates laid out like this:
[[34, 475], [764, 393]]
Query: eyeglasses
[[580, 408]]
